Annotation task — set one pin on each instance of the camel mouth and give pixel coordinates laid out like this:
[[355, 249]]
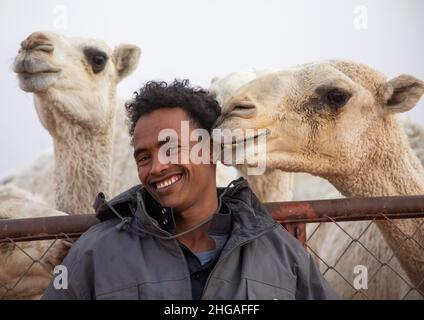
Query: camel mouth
[[31, 66], [36, 73], [255, 137], [37, 81], [42, 76]]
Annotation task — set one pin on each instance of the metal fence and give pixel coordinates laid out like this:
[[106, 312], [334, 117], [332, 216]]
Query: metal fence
[[349, 239]]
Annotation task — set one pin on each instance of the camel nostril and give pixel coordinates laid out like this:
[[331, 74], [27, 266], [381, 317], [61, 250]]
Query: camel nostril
[[37, 41], [46, 47]]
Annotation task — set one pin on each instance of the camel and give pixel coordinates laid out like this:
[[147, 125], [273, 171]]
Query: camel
[[76, 102], [222, 89], [74, 84], [316, 117], [91, 118], [274, 184], [17, 259]]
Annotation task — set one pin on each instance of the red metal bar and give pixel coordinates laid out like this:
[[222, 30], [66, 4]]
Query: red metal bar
[[292, 215], [352, 209], [45, 228]]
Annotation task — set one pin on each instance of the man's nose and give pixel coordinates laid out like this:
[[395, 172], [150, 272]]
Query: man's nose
[[158, 166]]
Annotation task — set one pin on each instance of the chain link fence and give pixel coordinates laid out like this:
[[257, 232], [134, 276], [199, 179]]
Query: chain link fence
[[367, 248]]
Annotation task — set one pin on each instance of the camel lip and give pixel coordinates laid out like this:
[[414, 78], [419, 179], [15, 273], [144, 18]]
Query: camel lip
[[30, 65], [39, 72], [234, 143]]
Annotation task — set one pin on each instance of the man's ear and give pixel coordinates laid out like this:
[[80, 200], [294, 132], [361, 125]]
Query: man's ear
[[402, 93], [126, 59]]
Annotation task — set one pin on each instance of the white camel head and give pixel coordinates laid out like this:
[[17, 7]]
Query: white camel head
[[223, 88], [77, 77], [323, 117]]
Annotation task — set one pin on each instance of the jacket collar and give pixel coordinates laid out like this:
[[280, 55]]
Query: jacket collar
[[157, 219], [238, 210], [236, 202]]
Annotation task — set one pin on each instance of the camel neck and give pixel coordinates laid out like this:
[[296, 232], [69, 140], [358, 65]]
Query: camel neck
[[273, 185], [82, 167], [82, 170], [389, 172], [82, 130]]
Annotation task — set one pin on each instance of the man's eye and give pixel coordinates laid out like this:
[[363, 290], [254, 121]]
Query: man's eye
[[143, 160]]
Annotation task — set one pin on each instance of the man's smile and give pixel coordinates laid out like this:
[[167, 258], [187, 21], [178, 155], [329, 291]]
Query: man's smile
[[167, 182]]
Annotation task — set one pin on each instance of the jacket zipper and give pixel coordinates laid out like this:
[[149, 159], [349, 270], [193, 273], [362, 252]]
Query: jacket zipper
[[187, 268], [229, 252]]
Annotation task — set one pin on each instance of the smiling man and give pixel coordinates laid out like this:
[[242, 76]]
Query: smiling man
[[178, 236]]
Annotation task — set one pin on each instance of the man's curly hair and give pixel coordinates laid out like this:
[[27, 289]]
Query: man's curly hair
[[201, 108]]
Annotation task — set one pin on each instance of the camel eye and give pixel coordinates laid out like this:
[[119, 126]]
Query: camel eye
[[337, 97], [98, 63], [96, 58]]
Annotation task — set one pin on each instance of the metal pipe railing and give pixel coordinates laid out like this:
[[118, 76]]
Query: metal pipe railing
[[351, 209], [287, 213]]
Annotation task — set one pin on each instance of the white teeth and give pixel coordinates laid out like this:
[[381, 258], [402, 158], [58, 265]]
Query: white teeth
[[163, 184]]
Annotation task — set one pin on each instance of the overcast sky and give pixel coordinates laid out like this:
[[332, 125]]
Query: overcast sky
[[200, 39]]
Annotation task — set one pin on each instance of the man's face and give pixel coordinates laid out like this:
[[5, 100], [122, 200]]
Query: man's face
[[179, 186]]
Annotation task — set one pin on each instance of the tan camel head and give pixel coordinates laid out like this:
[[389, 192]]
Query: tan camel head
[[73, 78], [324, 118]]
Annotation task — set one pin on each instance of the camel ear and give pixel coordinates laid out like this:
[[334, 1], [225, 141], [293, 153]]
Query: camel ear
[[214, 79], [126, 59], [403, 93]]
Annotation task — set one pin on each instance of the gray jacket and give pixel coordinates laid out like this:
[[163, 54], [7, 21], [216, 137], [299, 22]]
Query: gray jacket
[[132, 257]]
